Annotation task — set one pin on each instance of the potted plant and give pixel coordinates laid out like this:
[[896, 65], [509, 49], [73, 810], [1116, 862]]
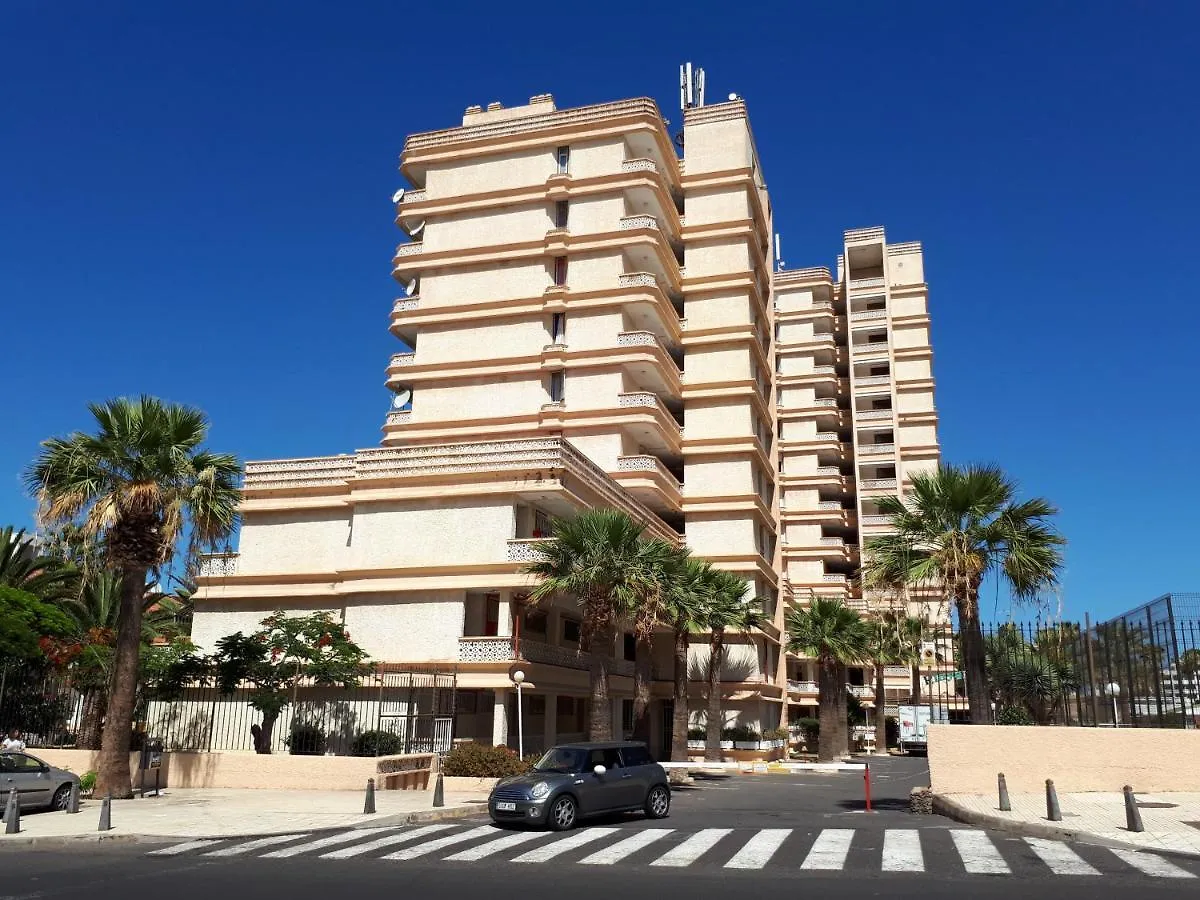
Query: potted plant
[[695, 739], [743, 737]]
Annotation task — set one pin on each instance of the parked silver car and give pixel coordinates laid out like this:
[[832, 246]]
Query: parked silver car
[[574, 781], [36, 783]]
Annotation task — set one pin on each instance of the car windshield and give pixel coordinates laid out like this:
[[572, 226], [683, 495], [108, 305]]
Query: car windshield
[[561, 759]]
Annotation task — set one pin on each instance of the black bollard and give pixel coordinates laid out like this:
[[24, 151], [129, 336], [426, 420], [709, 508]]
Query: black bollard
[[1005, 803], [12, 814], [439, 798], [1133, 815], [1053, 813], [369, 805], [73, 802], [105, 815]]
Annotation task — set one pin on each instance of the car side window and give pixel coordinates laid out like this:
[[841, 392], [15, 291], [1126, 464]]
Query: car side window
[[22, 763], [6, 763], [636, 756], [612, 759]]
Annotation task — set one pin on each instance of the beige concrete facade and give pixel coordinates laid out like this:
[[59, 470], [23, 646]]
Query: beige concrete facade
[[586, 319]]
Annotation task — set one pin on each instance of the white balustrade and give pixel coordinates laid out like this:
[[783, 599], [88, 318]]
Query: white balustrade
[[218, 565], [525, 550], [637, 279], [399, 417], [403, 359], [406, 304], [639, 165], [870, 347], [876, 449], [630, 222], [410, 249], [874, 414], [868, 314], [868, 380], [877, 483], [485, 649]]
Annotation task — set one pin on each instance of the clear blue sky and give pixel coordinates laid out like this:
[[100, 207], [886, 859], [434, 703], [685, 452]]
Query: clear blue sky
[[194, 203]]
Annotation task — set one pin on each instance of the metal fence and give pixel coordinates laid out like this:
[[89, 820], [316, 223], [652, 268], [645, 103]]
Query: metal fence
[[1138, 670], [395, 712]]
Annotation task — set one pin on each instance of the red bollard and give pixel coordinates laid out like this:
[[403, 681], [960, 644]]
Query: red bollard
[[867, 784]]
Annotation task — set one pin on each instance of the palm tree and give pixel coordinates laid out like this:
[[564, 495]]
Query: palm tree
[[684, 612], [884, 649], [958, 525], [24, 568], [137, 485], [661, 561], [597, 559], [725, 609], [835, 635]]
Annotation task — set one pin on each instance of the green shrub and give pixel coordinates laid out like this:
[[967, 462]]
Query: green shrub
[[777, 734], [739, 733], [1014, 715], [87, 782], [306, 740], [697, 734], [472, 760], [809, 729], [377, 743]]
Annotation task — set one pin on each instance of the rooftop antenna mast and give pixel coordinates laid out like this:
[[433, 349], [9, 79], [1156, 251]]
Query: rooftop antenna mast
[[691, 92]]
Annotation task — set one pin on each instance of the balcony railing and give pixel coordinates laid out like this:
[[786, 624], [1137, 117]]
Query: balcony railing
[[833, 579], [876, 449], [416, 195], [870, 347], [644, 339], [406, 304], [874, 414], [399, 417], [538, 652], [825, 403], [646, 464], [824, 370], [861, 691], [525, 550], [645, 398], [877, 483], [876, 520], [827, 436], [866, 314], [833, 542], [830, 504], [410, 249], [630, 222], [485, 649], [802, 687], [868, 380], [637, 279], [897, 672], [403, 359], [639, 165], [861, 284], [218, 565]]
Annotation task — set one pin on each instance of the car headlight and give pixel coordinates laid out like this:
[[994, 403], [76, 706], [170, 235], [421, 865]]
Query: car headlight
[[539, 790]]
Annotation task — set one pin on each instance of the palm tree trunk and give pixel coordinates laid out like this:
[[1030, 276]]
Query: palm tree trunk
[[679, 717], [843, 718], [916, 684], [600, 648], [642, 675], [880, 712], [715, 720], [974, 659], [829, 710], [265, 732], [113, 776], [91, 719]]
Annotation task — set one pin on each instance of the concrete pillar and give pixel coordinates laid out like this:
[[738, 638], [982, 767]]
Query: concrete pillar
[[504, 617], [500, 718], [550, 723]]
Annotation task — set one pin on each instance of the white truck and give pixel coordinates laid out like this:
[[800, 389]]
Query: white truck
[[914, 720]]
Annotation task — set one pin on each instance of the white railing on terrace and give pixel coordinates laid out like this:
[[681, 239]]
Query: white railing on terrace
[[868, 314], [218, 565], [877, 483], [411, 248], [876, 520], [646, 464], [525, 550], [868, 380], [833, 579], [416, 195], [403, 359], [824, 370], [876, 449], [861, 691], [399, 417], [825, 403], [830, 504], [832, 542], [802, 687], [859, 284], [897, 671], [870, 347], [539, 652], [828, 470], [826, 436], [642, 339], [406, 304], [311, 472], [629, 222], [640, 164], [647, 399], [637, 279], [874, 414], [485, 649], [870, 233]]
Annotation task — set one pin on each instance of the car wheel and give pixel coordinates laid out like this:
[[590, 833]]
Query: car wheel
[[62, 798], [563, 813], [658, 802]]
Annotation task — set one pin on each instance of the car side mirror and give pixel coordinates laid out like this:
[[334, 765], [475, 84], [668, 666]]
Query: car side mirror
[[599, 771]]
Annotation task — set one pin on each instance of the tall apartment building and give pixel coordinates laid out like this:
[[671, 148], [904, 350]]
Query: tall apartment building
[[857, 421], [561, 322]]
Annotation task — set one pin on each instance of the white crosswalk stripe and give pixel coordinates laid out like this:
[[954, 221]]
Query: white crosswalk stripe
[[1061, 859], [622, 849], [491, 848], [579, 839], [385, 841], [829, 850], [239, 849], [693, 848], [902, 851], [979, 855], [345, 837], [757, 851], [184, 848], [1149, 864], [449, 840]]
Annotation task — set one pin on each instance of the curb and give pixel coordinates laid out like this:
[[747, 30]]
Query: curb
[[944, 806], [66, 840]]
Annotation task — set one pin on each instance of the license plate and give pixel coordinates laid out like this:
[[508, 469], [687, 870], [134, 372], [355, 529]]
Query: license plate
[[506, 807]]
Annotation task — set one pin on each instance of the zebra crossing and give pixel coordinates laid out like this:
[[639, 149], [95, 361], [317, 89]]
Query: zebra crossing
[[962, 851]]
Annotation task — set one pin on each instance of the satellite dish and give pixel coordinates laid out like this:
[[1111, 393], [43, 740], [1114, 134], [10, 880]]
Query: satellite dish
[[398, 196], [416, 232], [409, 287], [402, 399]]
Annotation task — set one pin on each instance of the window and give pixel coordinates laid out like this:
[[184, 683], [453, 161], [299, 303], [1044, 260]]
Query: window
[[884, 403], [560, 270], [609, 758], [854, 676], [536, 622], [878, 370], [636, 756], [877, 339], [19, 762], [557, 387], [883, 437], [630, 647], [561, 210], [563, 155], [626, 719], [558, 328], [541, 524], [570, 630]]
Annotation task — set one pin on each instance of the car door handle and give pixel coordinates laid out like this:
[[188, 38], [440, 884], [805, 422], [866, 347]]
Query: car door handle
[[626, 776]]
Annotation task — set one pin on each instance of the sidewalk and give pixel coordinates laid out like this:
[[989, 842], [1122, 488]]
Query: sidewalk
[[238, 813], [1095, 816]]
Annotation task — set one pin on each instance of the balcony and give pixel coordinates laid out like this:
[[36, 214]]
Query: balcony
[[525, 550], [876, 347], [639, 165], [830, 504], [876, 520], [403, 359], [896, 672], [802, 687], [399, 417], [635, 399], [868, 314], [637, 279], [870, 380], [861, 691], [835, 579], [412, 248], [485, 649], [645, 339], [406, 304], [647, 479], [629, 223], [218, 565], [866, 284], [646, 464], [568, 657], [865, 414], [876, 449], [874, 484]]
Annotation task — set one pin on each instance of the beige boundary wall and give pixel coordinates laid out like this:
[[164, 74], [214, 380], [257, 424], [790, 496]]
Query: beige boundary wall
[[266, 771], [965, 759]]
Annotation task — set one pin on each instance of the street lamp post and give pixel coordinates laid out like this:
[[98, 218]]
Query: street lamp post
[[518, 678], [1114, 690]]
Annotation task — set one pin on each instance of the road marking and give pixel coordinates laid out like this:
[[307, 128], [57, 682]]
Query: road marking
[[622, 849], [757, 851], [491, 847], [979, 855], [184, 848], [430, 846], [386, 841], [693, 848], [902, 851], [239, 849], [829, 850], [1150, 864], [541, 854], [331, 841], [1061, 859]]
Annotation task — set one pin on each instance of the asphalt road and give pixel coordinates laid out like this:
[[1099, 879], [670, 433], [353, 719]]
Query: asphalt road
[[797, 833]]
